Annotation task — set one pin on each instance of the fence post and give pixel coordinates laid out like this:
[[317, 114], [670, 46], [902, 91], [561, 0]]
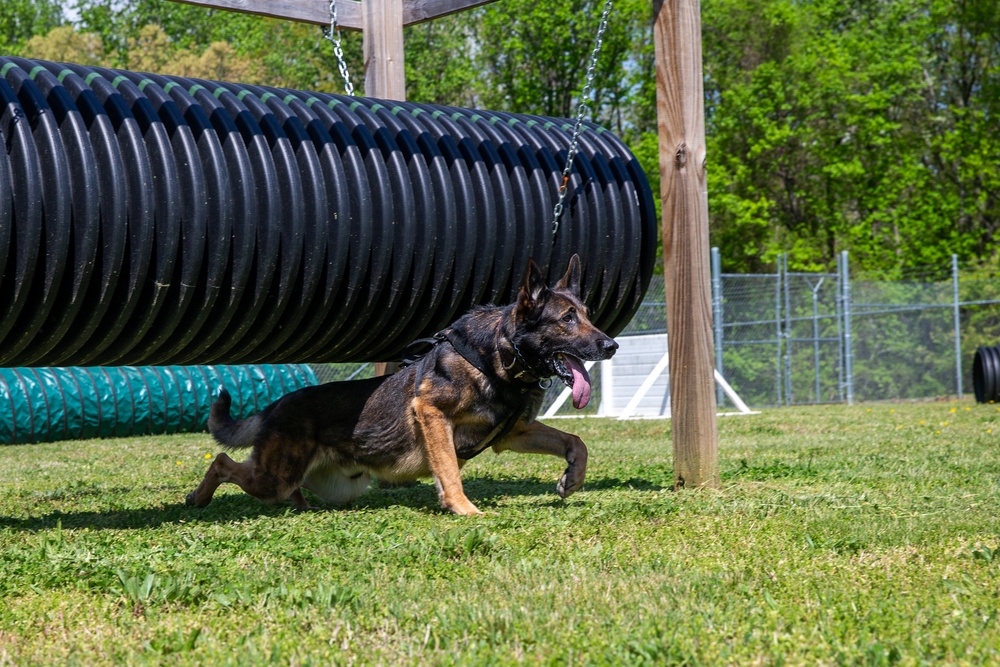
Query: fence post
[[815, 291], [607, 407], [958, 326], [777, 325], [788, 333], [839, 310], [848, 354], [717, 316]]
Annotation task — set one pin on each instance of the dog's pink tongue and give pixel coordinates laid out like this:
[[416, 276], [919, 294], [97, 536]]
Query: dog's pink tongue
[[581, 382]]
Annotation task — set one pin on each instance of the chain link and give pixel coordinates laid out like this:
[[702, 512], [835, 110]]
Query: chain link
[[333, 34], [581, 112]]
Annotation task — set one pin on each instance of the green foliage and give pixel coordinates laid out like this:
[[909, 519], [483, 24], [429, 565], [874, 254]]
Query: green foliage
[[20, 20], [64, 44], [440, 68], [870, 127], [902, 334], [837, 531], [116, 22], [534, 58], [981, 323]]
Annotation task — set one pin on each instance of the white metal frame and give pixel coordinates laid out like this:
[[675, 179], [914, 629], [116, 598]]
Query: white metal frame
[[661, 367]]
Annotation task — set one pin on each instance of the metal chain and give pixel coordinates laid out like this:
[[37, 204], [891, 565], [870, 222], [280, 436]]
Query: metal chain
[[333, 34], [580, 113]]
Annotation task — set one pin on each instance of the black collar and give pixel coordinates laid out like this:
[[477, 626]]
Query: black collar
[[518, 368]]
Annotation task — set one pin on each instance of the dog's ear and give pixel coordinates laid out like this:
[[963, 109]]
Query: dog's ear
[[530, 298], [571, 281]]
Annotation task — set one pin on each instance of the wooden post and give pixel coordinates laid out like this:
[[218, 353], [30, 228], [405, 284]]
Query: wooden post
[[680, 110], [382, 27], [385, 78]]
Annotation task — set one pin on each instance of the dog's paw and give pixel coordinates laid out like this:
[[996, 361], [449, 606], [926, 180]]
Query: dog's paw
[[464, 509], [571, 482], [190, 500], [576, 471]]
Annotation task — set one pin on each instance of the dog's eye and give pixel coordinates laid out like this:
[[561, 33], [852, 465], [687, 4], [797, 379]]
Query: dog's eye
[[569, 317]]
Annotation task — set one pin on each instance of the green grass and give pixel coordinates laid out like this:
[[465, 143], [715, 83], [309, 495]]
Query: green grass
[[866, 535]]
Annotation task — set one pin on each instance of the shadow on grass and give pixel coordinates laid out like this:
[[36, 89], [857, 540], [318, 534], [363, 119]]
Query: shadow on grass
[[489, 492], [484, 492]]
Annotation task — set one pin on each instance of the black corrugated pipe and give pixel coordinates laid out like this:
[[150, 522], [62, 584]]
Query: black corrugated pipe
[[986, 374], [159, 220]]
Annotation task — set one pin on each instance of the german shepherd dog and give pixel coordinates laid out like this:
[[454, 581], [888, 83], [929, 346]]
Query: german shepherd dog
[[481, 385]]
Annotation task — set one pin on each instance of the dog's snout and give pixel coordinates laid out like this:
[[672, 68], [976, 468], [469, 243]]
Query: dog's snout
[[608, 347]]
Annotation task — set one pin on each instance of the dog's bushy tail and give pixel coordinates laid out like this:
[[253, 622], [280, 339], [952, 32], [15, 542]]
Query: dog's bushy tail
[[228, 432]]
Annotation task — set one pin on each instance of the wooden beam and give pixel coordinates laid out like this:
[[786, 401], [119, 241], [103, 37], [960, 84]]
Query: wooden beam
[[306, 11], [348, 11], [680, 110], [382, 26], [418, 11]]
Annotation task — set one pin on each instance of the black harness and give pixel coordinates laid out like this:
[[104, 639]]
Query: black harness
[[467, 351]]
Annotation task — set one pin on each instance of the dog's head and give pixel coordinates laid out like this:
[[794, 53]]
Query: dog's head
[[553, 330]]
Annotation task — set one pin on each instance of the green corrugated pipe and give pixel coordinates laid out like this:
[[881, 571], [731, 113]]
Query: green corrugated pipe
[[48, 404]]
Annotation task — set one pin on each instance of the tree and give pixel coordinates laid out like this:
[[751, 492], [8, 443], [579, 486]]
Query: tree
[[20, 20], [153, 51], [244, 47], [962, 96], [440, 67], [534, 56], [833, 126], [150, 50], [64, 44], [118, 22]]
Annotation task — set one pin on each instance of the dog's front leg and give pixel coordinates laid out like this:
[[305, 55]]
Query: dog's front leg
[[537, 438], [439, 443]]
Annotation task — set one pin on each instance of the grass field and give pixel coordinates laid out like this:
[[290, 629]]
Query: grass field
[[865, 535]]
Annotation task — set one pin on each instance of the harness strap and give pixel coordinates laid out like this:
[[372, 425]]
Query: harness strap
[[497, 434], [468, 352], [411, 355], [459, 343], [413, 352], [526, 374]]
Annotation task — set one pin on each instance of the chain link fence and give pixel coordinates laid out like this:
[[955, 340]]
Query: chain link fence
[[792, 338], [796, 338]]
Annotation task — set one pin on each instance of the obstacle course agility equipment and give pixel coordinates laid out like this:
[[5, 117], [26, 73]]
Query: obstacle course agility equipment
[[156, 220], [986, 374], [48, 404]]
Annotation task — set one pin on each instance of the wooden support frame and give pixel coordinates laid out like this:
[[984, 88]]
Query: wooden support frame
[[349, 12], [385, 72], [683, 190], [381, 22], [680, 110]]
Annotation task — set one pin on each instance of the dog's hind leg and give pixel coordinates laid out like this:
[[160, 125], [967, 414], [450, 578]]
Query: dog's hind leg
[[270, 475], [299, 501], [537, 438], [223, 469]]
